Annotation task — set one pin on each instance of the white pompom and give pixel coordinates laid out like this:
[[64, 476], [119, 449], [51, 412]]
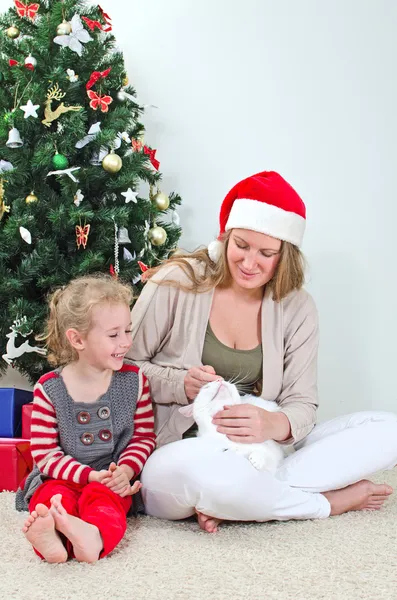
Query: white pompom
[[215, 250]]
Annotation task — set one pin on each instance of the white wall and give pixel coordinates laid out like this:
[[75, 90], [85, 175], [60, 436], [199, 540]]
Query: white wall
[[309, 89]]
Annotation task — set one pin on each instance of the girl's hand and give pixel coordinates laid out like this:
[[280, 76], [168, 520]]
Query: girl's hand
[[98, 476], [250, 424], [196, 377], [133, 489], [119, 479]]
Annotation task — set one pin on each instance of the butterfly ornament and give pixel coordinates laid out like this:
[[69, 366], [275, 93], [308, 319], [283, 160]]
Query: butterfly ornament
[[82, 235], [98, 101], [26, 10], [76, 38]]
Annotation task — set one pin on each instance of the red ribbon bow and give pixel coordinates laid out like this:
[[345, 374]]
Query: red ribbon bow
[[92, 24], [96, 76], [107, 20], [82, 235], [97, 101], [152, 156], [26, 10], [15, 63]]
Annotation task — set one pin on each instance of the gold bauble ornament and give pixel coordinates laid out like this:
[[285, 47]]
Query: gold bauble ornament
[[125, 81], [31, 198], [64, 28], [161, 200], [13, 32], [157, 236], [112, 163]]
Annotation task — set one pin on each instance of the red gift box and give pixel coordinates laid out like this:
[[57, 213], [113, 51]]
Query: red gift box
[[26, 420], [16, 462]]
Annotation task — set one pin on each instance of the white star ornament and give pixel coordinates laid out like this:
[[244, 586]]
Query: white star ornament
[[30, 109]]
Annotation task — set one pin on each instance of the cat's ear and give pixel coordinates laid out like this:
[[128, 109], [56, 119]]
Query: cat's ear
[[186, 411]]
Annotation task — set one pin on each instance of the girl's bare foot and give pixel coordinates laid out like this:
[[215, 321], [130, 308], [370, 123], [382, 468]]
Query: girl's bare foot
[[208, 524], [363, 495], [39, 530], [84, 537]]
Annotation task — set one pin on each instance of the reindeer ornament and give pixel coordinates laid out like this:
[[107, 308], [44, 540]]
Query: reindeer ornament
[[55, 93], [13, 352]]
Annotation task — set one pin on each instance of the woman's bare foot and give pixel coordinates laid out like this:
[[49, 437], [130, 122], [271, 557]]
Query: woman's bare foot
[[208, 524], [363, 495], [39, 530], [84, 537]]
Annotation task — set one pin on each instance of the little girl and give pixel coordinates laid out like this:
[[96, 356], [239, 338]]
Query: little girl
[[92, 426]]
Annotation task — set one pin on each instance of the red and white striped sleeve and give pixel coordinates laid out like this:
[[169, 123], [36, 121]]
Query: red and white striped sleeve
[[44, 444], [143, 440]]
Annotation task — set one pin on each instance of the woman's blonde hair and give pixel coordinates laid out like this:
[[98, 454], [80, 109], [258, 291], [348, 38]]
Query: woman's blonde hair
[[71, 307], [289, 275]]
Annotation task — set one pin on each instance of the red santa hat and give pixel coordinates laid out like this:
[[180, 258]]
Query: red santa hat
[[266, 203]]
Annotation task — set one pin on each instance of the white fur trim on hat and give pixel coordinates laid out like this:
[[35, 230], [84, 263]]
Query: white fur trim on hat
[[215, 250], [268, 219]]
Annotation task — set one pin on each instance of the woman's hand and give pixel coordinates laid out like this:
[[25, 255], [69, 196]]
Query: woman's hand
[[250, 424], [196, 377]]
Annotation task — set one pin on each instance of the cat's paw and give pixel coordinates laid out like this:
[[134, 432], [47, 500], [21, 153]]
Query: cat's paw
[[261, 462], [257, 460]]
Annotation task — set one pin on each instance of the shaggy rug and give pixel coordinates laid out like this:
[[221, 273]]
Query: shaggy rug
[[350, 557]]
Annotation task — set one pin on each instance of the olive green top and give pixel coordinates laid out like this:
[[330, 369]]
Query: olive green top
[[242, 367]]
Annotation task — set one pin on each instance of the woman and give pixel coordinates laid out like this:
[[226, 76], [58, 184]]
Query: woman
[[238, 310]]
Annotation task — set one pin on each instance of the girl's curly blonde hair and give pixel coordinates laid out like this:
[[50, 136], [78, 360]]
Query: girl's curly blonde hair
[[71, 307]]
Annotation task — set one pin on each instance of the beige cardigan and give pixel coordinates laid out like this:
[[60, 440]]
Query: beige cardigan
[[168, 329]]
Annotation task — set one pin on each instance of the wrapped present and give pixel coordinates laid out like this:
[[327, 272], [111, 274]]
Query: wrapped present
[[16, 463], [11, 402], [26, 420]]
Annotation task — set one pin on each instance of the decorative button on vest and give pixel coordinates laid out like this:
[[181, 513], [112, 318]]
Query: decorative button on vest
[[83, 417], [87, 439], [105, 435], [103, 412]]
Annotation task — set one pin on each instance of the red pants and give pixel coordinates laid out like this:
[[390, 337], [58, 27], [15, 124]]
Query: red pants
[[93, 503]]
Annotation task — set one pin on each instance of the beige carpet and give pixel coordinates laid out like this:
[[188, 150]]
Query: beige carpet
[[342, 558]]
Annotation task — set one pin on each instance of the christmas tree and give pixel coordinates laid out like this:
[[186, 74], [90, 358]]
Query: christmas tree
[[79, 187]]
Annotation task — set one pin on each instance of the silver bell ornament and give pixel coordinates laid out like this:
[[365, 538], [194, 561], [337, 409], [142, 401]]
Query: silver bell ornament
[[95, 159], [123, 237], [157, 236], [14, 139], [121, 96]]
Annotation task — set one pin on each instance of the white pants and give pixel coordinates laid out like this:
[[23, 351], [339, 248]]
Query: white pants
[[190, 474]]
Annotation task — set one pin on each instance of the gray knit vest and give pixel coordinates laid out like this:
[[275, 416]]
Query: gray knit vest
[[95, 433]]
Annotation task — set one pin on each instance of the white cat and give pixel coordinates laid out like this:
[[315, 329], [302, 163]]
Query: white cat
[[265, 456]]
